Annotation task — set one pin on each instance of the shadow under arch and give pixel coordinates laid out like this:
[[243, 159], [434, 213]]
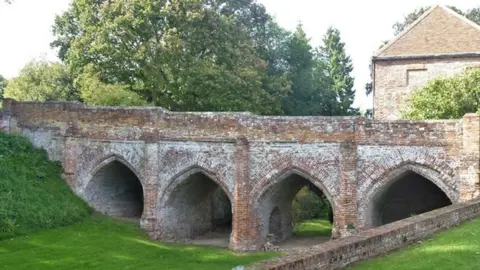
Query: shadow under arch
[[405, 190], [273, 202], [114, 188], [194, 203]]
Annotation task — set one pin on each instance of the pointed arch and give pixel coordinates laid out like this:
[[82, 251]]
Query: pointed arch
[[87, 173], [285, 173], [189, 206], [278, 192], [113, 187], [183, 175], [371, 188]]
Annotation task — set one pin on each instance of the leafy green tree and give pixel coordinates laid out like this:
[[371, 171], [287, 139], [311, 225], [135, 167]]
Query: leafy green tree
[[179, 54], [398, 27], [96, 93], [41, 80], [338, 67], [446, 98]]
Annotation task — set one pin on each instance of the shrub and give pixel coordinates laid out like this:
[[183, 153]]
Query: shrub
[[308, 205], [446, 98]]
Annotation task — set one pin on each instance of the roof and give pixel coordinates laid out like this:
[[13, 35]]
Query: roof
[[440, 31]]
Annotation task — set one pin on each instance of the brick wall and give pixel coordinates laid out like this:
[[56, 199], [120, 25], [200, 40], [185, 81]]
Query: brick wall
[[370, 243], [396, 79], [349, 159]]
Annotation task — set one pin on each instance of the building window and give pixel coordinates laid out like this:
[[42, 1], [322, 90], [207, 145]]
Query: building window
[[416, 77]]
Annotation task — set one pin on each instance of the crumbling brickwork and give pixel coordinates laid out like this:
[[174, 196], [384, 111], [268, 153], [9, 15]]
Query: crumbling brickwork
[[181, 159]]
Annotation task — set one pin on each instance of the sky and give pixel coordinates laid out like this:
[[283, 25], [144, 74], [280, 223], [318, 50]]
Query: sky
[[26, 28]]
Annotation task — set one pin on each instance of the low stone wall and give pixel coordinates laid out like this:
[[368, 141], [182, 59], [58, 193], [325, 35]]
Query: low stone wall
[[345, 251]]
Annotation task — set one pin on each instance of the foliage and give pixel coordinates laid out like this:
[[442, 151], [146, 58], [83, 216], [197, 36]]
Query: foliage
[[3, 84], [32, 192], [182, 55], [41, 80], [338, 67], [307, 205], [299, 57], [452, 249], [472, 14], [446, 98], [94, 92], [320, 79], [105, 243]]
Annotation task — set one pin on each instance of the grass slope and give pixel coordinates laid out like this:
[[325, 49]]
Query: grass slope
[[458, 248], [104, 243], [32, 194]]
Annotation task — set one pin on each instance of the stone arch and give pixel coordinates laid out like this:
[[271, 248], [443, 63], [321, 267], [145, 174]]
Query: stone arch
[[186, 207], [372, 187], [286, 182], [189, 170], [319, 173], [113, 187], [92, 159]]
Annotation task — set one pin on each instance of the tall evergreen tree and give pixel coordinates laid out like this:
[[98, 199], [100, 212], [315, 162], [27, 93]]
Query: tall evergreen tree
[[300, 62], [338, 69]]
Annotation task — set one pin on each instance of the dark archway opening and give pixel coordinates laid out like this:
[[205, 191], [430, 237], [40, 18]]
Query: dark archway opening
[[116, 191], [294, 206], [198, 208], [408, 195]]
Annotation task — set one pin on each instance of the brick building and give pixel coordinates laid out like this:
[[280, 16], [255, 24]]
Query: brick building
[[440, 43]]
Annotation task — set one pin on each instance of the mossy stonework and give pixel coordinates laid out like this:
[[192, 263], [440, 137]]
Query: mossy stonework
[[166, 167]]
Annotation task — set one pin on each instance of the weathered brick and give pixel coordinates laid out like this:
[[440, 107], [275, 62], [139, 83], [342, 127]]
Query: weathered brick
[[258, 161]]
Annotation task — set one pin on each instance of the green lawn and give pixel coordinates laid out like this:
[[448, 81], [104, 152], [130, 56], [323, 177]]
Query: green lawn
[[458, 248], [315, 227], [104, 243]]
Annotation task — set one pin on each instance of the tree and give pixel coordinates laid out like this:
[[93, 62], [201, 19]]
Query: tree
[[338, 69], [300, 62], [446, 98], [41, 80], [182, 55], [398, 27], [3, 84], [96, 93]]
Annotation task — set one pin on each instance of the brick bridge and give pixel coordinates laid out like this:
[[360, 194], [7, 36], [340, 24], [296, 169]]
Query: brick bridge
[[165, 167]]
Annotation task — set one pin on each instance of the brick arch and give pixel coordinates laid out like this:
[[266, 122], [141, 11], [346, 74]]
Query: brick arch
[[168, 219], [320, 174], [284, 173], [264, 198], [440, 177], [398, 158], [171, 169], [88, 188], [95, 159], [183, 175]]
